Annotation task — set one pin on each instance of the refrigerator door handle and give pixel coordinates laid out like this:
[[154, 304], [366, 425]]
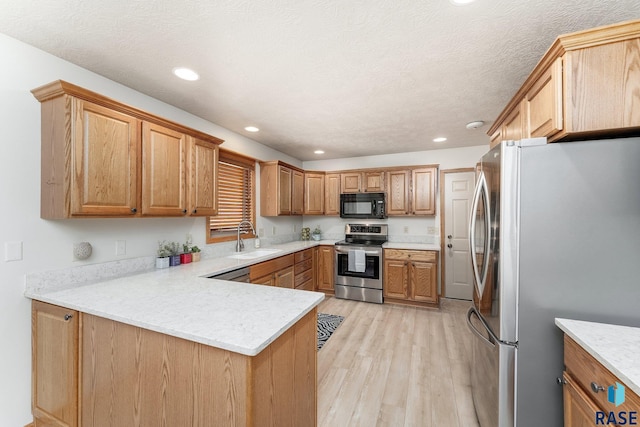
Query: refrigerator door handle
[[481, 189], [490, 342]]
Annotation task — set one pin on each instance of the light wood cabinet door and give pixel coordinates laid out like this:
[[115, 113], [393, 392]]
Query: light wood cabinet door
[[579, 410], [396, 279], [284, 190], [284, 278], [268, 280], [373, 182], [55, 365], [544, 103], [350, 182], [513, 128], [203, 178], [423, 282], [104, 162], [496, 138], [163, 171], [423, 182], [398, 192], [332, 194], [326, 269], [297, 193], [314, 193]]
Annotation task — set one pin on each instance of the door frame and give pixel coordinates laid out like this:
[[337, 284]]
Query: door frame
[[443, 258]]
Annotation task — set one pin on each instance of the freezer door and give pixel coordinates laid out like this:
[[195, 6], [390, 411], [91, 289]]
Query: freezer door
[[492, 375]]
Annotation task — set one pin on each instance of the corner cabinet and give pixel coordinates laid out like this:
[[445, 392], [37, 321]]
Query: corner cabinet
[[281, 189], [585, 86], [314, 193], [103, 158], [410, 277]]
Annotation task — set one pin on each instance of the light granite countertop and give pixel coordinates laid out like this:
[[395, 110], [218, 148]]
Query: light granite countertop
[[615, 347], [412, 246], [182, 301]]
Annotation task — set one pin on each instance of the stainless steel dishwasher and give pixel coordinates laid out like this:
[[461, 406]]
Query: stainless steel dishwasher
[[239, 275]]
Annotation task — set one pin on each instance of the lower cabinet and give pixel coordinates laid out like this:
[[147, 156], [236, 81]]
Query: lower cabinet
[[326, 269], [130, 376], [586, 391], [55, 349], [275, 272], [410, 276], [304, 269]]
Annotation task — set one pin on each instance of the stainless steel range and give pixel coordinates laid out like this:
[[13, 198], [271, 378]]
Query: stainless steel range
[[359, 262]]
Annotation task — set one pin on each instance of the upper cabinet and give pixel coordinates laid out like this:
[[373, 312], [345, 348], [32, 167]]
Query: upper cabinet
[[332, 194], [314, 193], [411, 191], [281, 189], [586, 85], [362, 181], [103, 158]]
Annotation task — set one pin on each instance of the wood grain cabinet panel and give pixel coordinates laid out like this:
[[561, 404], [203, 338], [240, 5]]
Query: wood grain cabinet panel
[[326, 269], [410, 276], [102, 158], [284, 278], [398, 192], [351, 182], [163, 171], [314, 194], [55, 365], [297, 192], [203, 178], [587, 85], [285, 185], [281, 189], [423, 193], [373, 181], [332, 194]]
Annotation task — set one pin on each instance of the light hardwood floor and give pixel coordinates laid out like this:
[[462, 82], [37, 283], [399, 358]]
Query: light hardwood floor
[[391, 365]]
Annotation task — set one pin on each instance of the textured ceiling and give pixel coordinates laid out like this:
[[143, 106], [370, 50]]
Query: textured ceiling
[[351, 77]]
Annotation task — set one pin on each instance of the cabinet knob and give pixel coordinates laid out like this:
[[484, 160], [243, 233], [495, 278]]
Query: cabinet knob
[[134, 210], [68, 316], [195, 211], [596, 388], [184, 211]]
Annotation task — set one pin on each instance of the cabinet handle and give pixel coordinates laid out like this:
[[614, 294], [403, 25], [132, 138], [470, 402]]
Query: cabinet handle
[[596, 388], [561, 381], [134, 210], [195, 211], [68, 317], [184, 211]]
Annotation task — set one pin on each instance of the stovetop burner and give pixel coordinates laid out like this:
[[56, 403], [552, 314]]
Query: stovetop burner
[[364, 235]]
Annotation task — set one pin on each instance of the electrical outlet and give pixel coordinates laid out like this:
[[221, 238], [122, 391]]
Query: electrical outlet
[[12, 251], [406, 229], [295, 228], [121, 247], [432, 231], [261, 232], [273, 230]]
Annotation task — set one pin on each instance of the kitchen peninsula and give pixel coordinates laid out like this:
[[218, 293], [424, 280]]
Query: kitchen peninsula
[[173, 347]]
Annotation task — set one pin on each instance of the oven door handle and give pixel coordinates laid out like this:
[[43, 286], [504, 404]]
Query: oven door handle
[[374, 253]]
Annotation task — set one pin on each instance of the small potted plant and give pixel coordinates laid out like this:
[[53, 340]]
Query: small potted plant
[[195, 254], [174, 250], [186, 256], [315, 235], [162, 261]]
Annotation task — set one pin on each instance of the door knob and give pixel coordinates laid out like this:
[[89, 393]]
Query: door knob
[[449, 245], [449, 236]]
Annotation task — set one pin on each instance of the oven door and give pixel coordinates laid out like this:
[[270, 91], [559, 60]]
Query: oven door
[[371, 277]]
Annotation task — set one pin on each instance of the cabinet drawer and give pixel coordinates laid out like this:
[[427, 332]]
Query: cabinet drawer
[[428, 256], [268, 267], [303, 277], [306, 286], [586, 370], [303, 266], [303, 255]]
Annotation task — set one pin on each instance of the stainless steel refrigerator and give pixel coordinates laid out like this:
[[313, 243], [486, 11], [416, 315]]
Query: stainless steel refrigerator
[[554, 232]]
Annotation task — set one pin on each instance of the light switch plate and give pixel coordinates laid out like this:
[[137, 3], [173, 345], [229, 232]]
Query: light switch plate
[[12, 251], [121, 247]]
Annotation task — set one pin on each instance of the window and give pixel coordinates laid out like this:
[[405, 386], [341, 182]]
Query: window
[[236, 197]]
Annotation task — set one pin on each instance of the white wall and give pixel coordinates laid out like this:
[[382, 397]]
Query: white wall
[[420, 229], [47, 245]]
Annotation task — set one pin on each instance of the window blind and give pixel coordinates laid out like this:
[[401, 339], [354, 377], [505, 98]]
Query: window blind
[[236, 194]]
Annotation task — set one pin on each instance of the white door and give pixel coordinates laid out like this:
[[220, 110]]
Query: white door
[[458, 196]]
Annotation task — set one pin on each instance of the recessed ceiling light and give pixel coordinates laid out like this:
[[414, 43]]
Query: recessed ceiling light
[[318, 152], [186, 74], [461, 2], [440, 139], [251, 129]]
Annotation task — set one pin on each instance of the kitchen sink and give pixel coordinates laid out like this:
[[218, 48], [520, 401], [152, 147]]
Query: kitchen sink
[[254, 254]]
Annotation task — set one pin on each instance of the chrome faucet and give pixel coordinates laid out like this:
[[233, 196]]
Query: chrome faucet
[[239, 242]]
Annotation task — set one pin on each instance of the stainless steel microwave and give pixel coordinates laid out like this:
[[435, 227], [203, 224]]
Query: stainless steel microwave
[[362, 205]]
